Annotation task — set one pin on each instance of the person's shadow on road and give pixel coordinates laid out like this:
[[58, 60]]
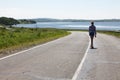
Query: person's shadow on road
[[93, 48]]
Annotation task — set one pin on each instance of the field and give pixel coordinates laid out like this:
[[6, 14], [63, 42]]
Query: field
[[20, 38]]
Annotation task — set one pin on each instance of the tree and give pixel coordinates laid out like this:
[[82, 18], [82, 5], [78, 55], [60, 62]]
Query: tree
[[8, 21], [25, 21]]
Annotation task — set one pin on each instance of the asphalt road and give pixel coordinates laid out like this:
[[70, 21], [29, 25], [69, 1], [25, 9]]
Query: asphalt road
[[102, 63], [55, 60]]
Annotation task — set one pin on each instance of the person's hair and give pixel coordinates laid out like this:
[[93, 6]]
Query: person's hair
[[92, 22]]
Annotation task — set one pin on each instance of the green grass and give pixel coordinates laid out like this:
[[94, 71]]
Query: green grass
[[15, 38], [113, 33]]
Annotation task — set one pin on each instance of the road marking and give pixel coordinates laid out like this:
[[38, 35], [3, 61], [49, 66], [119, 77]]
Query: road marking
[[19, 52], [78, 69], [81, 64], [27, 50], [31, 48]]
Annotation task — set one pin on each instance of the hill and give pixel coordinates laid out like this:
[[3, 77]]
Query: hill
[[73, 20]]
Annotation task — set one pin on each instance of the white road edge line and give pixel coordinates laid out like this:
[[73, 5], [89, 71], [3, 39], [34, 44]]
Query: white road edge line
[[30, 48], [18, 53], [27, 50], [81, 64], [78, 69]]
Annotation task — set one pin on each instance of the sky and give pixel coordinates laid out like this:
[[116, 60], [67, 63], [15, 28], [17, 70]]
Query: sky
[[60, 9]]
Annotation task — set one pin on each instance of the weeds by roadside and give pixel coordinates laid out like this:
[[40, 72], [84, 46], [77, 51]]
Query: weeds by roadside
[[113, 33], [15, 38]]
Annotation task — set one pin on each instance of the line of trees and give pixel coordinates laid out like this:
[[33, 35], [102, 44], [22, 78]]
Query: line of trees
[[25, 21], [8, 21], [11, 21]]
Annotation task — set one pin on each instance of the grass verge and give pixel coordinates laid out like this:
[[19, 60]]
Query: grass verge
[[113, 33], [16, 39]]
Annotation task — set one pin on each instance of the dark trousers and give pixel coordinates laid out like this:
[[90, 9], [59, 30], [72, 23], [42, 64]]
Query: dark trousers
[[91, 37]]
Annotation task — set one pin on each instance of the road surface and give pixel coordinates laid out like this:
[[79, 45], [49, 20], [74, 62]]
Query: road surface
[[67, 58], [55, 60], [102, 63]]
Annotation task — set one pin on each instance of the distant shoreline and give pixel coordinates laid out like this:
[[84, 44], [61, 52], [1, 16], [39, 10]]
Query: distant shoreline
[[73, 20]]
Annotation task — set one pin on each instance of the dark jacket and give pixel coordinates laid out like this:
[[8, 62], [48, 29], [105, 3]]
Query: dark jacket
[[92, 30]]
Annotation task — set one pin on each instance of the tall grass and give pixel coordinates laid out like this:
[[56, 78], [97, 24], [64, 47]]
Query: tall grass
[[113, 33], [22, 37]]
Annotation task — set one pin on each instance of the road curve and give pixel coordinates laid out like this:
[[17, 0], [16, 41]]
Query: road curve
[[102, 63], [55, 60]]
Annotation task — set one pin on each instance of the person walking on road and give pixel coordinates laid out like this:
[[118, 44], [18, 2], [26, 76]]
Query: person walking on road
[[92, 33]]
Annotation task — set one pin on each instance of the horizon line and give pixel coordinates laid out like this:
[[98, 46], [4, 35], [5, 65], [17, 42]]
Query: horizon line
[[64, 18]]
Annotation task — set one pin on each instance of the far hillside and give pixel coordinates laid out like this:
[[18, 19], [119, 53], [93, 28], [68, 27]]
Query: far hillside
[[73, 20], [8, 21], [25, 21], [5, 21]]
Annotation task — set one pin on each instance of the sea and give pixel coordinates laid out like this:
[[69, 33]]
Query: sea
[[109, 26]]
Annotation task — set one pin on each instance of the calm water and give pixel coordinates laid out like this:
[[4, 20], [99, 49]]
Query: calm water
[[74, 25]]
